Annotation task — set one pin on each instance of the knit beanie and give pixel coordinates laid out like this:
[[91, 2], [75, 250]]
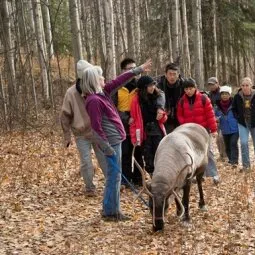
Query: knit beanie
[[145, 81], [226, 88], [81, 66]]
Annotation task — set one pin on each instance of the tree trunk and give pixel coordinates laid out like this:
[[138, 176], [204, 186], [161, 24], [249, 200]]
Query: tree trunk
[[75, 29], [7, 41], [137, 32], [109, 38], [101, 34], [169, 35], [186, 53], [86, 23], [175, 30], [41, 48], [129, 23], [215, 50], [197, 42], [47, 28]]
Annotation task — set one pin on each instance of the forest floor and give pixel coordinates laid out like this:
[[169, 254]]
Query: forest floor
[[43, 209]]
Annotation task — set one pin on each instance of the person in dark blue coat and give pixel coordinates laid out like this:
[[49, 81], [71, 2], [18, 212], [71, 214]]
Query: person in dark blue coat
[[228, 124]]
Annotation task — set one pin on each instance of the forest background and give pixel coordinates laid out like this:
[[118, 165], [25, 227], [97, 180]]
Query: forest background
[[40, 42], [43, 209]]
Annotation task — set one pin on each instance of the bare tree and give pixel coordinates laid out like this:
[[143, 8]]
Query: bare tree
[[196, 8], [47, 28], [109, 39], [175, 30], [41, 48], [129, 23], [185, 37], [75, 29]]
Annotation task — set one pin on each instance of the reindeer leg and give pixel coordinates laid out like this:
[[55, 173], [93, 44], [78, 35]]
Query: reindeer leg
[[199, 178], [185, 201], [178, 207]]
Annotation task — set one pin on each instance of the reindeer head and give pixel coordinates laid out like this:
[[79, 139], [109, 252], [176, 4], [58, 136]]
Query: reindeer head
[[158, 204], [158, 200]]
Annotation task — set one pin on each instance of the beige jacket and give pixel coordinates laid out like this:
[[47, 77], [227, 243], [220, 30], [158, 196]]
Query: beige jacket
[[74, 116]]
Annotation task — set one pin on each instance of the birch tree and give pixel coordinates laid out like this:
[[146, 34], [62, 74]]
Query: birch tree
[[41, 47], [47, 28], [175, 30], [75, 30], [129, 23], [7, 41], [196, 8], [110, 72], [185, 37]]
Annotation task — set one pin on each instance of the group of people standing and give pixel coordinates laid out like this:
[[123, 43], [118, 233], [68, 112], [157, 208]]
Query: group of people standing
[[134, 111]]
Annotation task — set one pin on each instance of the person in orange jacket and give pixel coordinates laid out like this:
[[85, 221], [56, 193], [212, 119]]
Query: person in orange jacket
[[148, 115]]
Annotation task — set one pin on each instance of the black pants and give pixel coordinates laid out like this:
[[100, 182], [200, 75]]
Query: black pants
[[231, 147], [149, 149], [171, 124], [127, 148]]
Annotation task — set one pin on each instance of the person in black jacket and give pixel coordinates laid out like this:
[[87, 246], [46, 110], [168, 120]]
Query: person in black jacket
[[243, 108], [171, 85]]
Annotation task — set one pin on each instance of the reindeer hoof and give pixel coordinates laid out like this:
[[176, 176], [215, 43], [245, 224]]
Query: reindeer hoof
[[203, 208], [187, 224]]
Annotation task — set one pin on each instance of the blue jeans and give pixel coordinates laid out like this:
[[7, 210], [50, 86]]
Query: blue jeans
[[111, 201], [244, 138], [86, 168], [211, 169]]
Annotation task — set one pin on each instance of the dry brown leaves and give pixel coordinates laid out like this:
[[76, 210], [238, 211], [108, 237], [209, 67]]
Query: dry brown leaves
[[43, 209]]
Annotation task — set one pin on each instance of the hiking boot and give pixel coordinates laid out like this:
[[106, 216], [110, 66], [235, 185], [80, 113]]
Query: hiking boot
[[90, 193], [246, 169], [115, 217], [216, 180]]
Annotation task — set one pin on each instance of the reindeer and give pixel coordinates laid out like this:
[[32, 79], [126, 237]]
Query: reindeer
[[181, 155]]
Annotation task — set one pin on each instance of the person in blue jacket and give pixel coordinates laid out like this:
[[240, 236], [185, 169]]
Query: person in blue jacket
[[228, 124]]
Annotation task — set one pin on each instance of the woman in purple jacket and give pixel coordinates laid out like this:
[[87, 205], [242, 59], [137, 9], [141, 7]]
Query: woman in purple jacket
[[108, 130]]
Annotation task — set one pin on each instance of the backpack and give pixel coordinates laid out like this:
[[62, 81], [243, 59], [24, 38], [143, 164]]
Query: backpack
[[203, 98]]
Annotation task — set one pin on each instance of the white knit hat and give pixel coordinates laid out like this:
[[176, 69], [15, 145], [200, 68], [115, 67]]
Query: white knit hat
[[227, 89], [81, 66]]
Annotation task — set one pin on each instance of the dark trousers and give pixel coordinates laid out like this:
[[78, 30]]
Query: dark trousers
[[170, 125], [149, 149], [127, 148], [231, 147]]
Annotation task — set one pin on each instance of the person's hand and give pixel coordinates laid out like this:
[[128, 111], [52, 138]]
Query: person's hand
[[130, 121], [109, 151], [214, 135], [147, 66], [160, 113]]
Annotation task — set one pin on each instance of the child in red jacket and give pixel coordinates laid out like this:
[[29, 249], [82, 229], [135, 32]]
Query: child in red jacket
[[195, 107], [148, 118]]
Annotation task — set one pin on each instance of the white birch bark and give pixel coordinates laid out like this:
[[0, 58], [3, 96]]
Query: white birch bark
[[75, 29], [109, 38], [41, 48], [175, 30], [9, 49], [186, 52], [130, 35], [197, 42], [215, 50], [137, 31], [47, 28]]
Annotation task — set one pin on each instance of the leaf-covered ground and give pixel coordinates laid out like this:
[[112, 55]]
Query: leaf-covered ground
[[43, 209]]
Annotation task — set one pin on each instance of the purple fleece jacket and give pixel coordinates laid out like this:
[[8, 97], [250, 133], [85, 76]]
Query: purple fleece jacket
[[99, 104]]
